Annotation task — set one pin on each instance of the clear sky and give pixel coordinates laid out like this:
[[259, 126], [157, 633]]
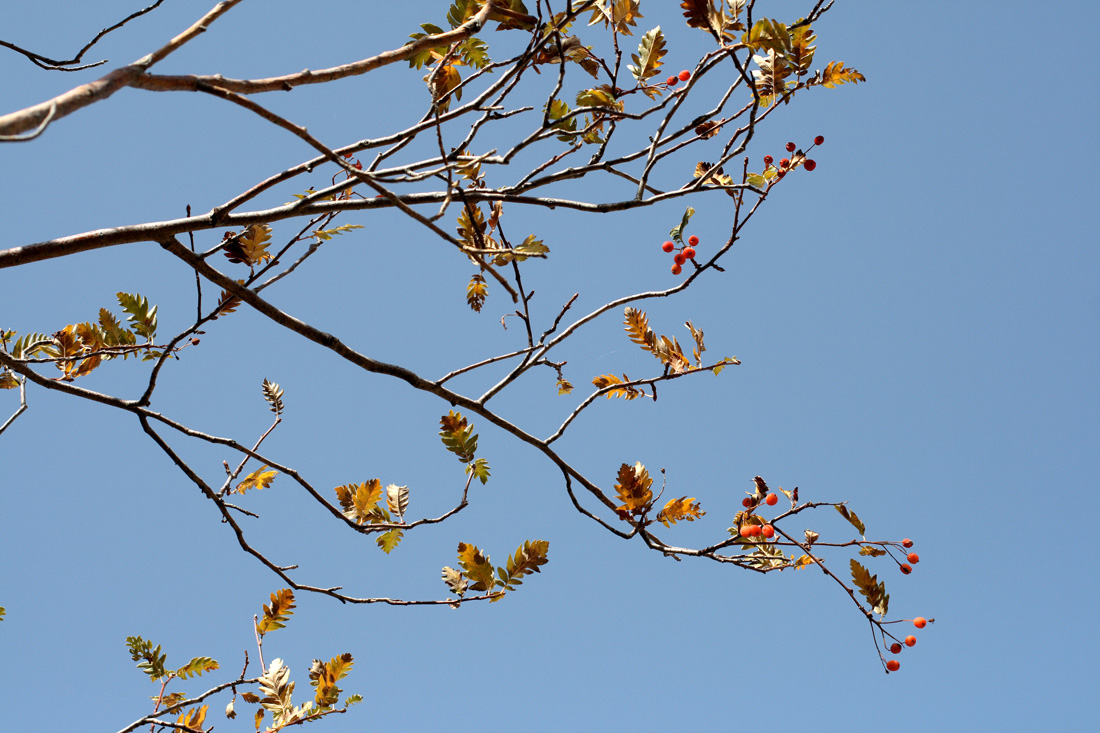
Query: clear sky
[[918, 322]]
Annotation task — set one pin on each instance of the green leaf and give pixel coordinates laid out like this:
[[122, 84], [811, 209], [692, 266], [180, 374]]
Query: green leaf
[[389, 540], [458, 437], [480, 469], [327, 234], [142, 318], [149, 658], [768, 35], [677, 232], [196, 667], [425, 55], [556, 113]]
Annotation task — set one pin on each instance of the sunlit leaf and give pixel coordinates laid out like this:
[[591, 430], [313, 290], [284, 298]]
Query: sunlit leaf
[[528, 559], [278, 613], [273, 395], [258, 479], [618, 388], [455, 580], [647, 61], [397, 500], [476, 567], [677, 510]]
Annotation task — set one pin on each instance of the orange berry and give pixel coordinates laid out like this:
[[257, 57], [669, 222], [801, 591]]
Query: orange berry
[[895, 648], [910, 640], [671, 81], [676, 270], [668, 246], [784, 163], [768, 531], [906, 569], [689, 253], [750, 530], [893, 665], [746, 502], [907, 543], [913, 558], [920, 622], [679, 259], [772, 500], [685, 75], [693, 240], [768, 160]]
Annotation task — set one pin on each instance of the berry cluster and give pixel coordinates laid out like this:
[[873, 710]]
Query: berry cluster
[[766, 531], [685, 253], [682, 76], [912, 557], [920, 622], [894, 665], [798, 158]]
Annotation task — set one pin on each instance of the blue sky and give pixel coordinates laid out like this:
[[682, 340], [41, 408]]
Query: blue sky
[[918, 323]]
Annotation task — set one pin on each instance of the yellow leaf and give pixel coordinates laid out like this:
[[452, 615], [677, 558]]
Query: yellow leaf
[[682, 509], [258, 479], [476, 567], [626, 391], [476, 292], [442, 82]]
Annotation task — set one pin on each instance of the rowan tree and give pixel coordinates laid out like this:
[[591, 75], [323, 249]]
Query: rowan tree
[[576, 107]]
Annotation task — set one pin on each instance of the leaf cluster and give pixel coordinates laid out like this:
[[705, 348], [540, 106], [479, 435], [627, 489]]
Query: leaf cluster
[[477, 572], [362, 504]]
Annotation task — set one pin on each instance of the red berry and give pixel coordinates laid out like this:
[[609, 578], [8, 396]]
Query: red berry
[[907, 542], [746, 502], [895, 648], [893, 665], [689, 253], [671, 81], [819, 140], [693, 240], [913, 558], [679, 259], [668, 246], [791, 147], [781, 174], [768, 531], [809, 164], [772, 500], [920, 622], [910, 640], [906, 569], [768, 160], [685, 75], [676, 270], [784, 163], [750, 530]]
